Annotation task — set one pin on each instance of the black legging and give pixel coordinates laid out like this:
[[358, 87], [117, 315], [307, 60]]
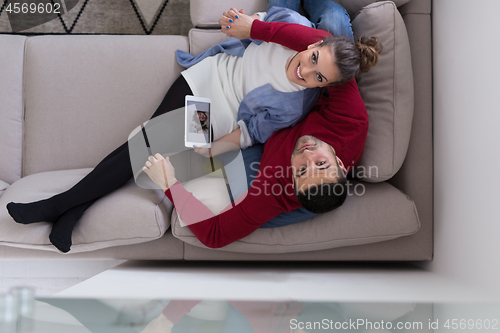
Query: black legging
[[115, 169]]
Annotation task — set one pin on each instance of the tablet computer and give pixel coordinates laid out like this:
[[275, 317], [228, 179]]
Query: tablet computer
[[198, 128]]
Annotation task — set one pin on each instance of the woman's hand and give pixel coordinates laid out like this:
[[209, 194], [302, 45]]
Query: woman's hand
[[227, 143], [161, 171], [236, 23]]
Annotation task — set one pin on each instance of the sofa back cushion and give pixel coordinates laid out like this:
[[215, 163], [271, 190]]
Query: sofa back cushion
[[206, 13], [354, 6], [11, 106], [85, 94], [387, 90]]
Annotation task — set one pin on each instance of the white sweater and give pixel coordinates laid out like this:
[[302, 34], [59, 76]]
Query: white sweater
[[226, 79]]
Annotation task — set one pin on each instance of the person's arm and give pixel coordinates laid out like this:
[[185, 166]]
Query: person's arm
[[294, 36], [264, 111], [259, 205], [227, 143], [344, 100]]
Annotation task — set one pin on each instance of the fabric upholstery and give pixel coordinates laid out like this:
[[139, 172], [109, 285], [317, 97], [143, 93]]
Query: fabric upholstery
[[165, 248], [399, 249], [128, 215], [206, 13], [418, 164], [382, 212], [202, 39], [354, 6], [11, 106], [84, 94], [3, 187], [414, 177], [416, 7], [387, 90]]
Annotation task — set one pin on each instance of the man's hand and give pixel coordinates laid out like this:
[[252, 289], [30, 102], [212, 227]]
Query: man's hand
[[161, 171], [236, 23]]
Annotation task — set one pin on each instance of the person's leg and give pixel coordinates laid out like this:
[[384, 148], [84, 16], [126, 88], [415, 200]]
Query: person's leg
[[291, 4], [62, 229], [108, 175], [329, 16]]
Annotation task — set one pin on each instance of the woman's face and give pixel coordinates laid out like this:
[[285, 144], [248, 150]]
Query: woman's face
[[202, 116], [313, 67]]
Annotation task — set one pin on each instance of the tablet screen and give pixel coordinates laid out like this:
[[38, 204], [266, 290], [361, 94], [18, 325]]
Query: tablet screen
[[198, 122]]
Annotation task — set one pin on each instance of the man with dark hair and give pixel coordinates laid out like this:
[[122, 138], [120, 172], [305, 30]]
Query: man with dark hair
[[325, 188], [301, 165], [319, 150]]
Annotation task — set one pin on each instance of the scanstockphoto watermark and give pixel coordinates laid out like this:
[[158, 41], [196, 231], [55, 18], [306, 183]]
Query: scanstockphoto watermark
[[276, 189], [357, 324], [352, 188], [358, 172], [27, 14]]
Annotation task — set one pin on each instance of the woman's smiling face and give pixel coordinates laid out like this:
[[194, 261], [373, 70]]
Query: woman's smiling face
[[313, 67]]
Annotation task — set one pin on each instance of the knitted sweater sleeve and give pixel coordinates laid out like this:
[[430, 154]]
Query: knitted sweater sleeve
[[294, 36], [249, 212]]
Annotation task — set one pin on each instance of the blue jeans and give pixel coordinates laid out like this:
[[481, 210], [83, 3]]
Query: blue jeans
[[324, 14]]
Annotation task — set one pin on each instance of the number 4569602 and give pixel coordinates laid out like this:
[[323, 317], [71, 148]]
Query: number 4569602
[[477, 324], [33, 8]]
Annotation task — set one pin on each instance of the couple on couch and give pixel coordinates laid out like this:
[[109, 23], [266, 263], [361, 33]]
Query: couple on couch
[[272, 86]]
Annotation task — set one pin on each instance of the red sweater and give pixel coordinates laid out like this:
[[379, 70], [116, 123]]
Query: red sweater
[[340, 120]]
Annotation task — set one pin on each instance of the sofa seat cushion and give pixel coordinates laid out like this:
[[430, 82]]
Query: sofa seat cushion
[[129, 215], [374, 213]]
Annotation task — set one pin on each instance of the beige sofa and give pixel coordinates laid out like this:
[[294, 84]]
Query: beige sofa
[[68, 100]]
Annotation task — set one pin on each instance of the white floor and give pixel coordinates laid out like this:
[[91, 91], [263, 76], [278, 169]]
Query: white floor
[[114, 279], [276, 281], [49, 277]]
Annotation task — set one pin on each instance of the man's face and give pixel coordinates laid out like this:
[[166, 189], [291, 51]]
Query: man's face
[[314, 162]]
